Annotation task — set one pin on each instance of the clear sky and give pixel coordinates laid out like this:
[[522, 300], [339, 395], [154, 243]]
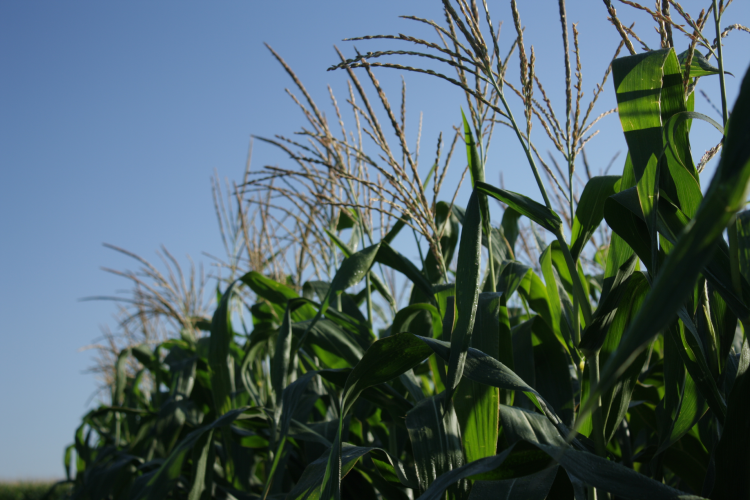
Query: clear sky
[[114, 115]]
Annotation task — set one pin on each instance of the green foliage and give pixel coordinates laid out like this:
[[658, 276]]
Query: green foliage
[[501, 382]]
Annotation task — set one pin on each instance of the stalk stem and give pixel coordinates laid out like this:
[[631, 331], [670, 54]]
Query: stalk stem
[[734, 259], [596, 416], [720, 57]]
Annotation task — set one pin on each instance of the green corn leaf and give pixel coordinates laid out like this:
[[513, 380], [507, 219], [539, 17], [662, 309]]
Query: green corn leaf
[[476, 404], [351, 272], [615, 401], [552, 371], [690, 348], [525, 425], [282, 353], [609, 476], [484, 369], [731, 457], [265, 287], [389, 257], [165, 478], [743, 237], [699, 65], [624, 217], [397, 227], [590, 210], [437, 489], [380, 286], [513, 275], [385, 359], [435, 439], [309, 484], [420, 319], [203, 468], [594, 335], [332, 344], [511, 231], [467, 293], [222, 383], [556, 301], [476, 168], [382, 395], [537, 212], [534, 486], [695, 246], [685, 414]]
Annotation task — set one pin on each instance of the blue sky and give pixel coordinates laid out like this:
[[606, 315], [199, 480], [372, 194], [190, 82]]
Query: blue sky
[[114, 115]]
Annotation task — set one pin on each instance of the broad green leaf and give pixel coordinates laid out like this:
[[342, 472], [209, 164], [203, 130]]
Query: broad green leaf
[[640, 80], [421, 319], [380, 286], [594, 335], [484, 369], [203, 468], [511, 277], [699, 65], [476, 169], [691, 350], [268, 289], [443, 482], [310, 483], [615, 401], [590, 210], [691, 407], [332, 344], [537, 212], [609, 476], [467, 292], [524, 425], [385, 359], [476, 404], [555, 299], [552, 371], [531, 487], [624, 216], [222, 377], [693, 250], [731, 457], [389, 257], [282, 354], [435, 439], [510, 229], [162, 482], [743, 236], [397, 227]]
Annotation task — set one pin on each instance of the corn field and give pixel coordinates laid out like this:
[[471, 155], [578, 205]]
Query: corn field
[[610, 363]]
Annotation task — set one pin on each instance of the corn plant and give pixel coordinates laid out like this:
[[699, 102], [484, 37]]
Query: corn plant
[[618, 375]]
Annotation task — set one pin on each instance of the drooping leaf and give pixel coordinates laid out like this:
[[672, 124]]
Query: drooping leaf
[[380, 286], [699, 66], [537, 212]]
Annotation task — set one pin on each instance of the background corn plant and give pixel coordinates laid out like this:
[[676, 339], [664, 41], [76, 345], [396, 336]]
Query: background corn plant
[[338, 368]]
